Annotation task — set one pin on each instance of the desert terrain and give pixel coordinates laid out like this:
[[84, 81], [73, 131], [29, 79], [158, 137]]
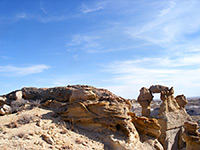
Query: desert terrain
[[84, 117]]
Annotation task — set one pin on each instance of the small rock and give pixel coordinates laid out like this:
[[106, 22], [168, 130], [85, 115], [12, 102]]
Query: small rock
[[84, 144], [6, 109], [39, 123], [48, 139], [2, 112]]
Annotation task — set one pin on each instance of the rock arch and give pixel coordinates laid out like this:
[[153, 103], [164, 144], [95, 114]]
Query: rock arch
[[169, 103], [171, 116]]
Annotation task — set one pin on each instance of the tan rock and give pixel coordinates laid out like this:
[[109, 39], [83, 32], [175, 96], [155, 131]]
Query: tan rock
[[171, 119], [191, 135], [169, 103], [16, 95], [145, 99], [158, 88], [96, 110], [82, 94], [5, 109], [147, 126], [181, 100], [47, 138]]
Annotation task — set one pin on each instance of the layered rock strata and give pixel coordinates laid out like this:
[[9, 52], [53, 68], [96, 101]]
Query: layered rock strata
[[191, 135], [96, 110], [148, 129], [171, 117]]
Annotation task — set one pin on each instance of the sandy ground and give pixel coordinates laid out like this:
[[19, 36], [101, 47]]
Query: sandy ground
[[41, 129]]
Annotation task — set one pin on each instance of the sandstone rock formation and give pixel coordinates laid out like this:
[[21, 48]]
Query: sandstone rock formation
[[158, 88], [96, 110], [100, 111], [145, 99], [181, 100], [149, 130], [171, 115], [191, 135], [169, 103]]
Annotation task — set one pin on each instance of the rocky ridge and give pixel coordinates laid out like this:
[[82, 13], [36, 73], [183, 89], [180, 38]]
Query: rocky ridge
[[101, 112]]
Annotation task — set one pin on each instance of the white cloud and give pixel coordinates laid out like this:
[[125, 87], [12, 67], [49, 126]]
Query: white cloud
[[168, 9], [89, 9], [42, 8], [22, 71], [21, 16], [172, 25], [130, 76], [85, 42]]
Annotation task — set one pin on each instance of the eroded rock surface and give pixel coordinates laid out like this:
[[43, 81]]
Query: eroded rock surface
[[191, 135], [99, 110], [181, 100], [145, 99], [96, 110], [149, 130], [158, 88], [171, 116]]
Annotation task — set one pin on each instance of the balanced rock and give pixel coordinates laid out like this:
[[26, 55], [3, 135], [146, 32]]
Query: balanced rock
[[158, 88], [191, 135]]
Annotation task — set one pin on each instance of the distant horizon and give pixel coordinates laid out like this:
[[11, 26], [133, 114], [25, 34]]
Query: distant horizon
[[120, 45], [156, 95]]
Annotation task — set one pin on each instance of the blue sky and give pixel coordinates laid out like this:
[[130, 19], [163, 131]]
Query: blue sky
[[121, 45]]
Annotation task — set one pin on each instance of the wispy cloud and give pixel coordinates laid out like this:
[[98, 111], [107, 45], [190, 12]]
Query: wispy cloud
[[173, 24], [93, 8], [42, 8], [182, 73], [84, 42], [22, 71], [22, 15], [166, 10]]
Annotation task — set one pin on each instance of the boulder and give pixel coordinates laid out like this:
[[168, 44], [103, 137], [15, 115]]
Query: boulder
[[5, 109], [181, 100], [191, 135]]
